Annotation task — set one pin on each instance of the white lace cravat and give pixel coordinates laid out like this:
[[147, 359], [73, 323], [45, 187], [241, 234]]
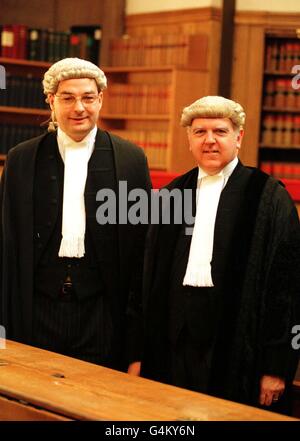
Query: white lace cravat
[[76, 156], [198, 272]]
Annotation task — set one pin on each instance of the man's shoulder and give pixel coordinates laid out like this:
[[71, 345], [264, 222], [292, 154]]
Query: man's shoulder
[[184, 180], [26, 146], [125, 143], [272, 181], [128, 155], [274, 194]]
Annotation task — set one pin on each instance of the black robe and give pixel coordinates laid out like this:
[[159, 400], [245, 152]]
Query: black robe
[[260, 298], [123, 277]]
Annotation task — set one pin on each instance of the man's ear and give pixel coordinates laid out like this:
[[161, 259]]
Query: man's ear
[[101, 99], [188, 131], [239, 138], [50, 98]]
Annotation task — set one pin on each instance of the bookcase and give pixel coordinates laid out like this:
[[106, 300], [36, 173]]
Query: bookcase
[[279, 148], [151, 78], [22, 104], [144, 104], [257, 38]]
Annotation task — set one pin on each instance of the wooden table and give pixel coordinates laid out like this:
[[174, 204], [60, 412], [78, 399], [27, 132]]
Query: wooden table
[[41, 385]]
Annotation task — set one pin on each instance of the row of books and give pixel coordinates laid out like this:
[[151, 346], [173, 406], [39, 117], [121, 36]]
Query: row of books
[[12, 134], [137, 99], [280, 93], [281, 55], [19, 41], [280, 170], [166, 49], [281, 130], [154, 143], [23, 92], [26, 91]]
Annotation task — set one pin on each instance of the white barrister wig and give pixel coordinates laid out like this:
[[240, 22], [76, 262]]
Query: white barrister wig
[[214, 107], [70, 68]]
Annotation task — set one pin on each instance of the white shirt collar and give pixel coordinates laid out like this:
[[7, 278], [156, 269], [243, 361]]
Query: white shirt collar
[[64, 140], [226, 171]]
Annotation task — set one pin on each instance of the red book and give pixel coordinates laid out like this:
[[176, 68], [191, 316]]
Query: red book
[[296, 170], [287, 170], [21, 31], [278, 169], [266, 166]]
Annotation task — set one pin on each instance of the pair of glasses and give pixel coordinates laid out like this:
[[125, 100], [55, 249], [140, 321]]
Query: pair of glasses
[[69, 100]]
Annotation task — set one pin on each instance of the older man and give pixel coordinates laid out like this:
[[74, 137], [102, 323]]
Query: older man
[[66, 280], [220, 304]]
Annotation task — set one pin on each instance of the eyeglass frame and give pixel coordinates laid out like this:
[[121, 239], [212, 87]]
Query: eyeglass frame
[[75, 98]]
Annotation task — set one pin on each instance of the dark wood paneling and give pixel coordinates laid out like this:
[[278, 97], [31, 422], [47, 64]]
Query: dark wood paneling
[[28, 12], [113, 22]]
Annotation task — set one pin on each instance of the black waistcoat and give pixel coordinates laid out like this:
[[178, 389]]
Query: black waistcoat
[[50, 270], [199, 308]]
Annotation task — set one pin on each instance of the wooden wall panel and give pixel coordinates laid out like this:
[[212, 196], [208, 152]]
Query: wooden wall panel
[[254, 84], [268, 19], [72, 11], [113, 22], [246, 86], [28, 12]]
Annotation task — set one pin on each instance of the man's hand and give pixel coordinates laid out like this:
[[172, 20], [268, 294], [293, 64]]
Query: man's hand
[[134, 368], [271, 389]]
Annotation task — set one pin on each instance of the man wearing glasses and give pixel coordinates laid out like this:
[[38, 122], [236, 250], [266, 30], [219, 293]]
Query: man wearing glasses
[[66, 280]]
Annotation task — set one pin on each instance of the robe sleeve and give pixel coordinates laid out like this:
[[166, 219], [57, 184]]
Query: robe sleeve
[[134, 317], [282, 297]]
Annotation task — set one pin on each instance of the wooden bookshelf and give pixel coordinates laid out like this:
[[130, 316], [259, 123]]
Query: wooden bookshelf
[[62, 14], [254, 31], [172, 48], [179, 23], [145, 69], [21, 62], [181, 85], [279, 73], [142, 103], [134, 117], [279, 144], [22, 103], [280, 109], [24, 111]]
